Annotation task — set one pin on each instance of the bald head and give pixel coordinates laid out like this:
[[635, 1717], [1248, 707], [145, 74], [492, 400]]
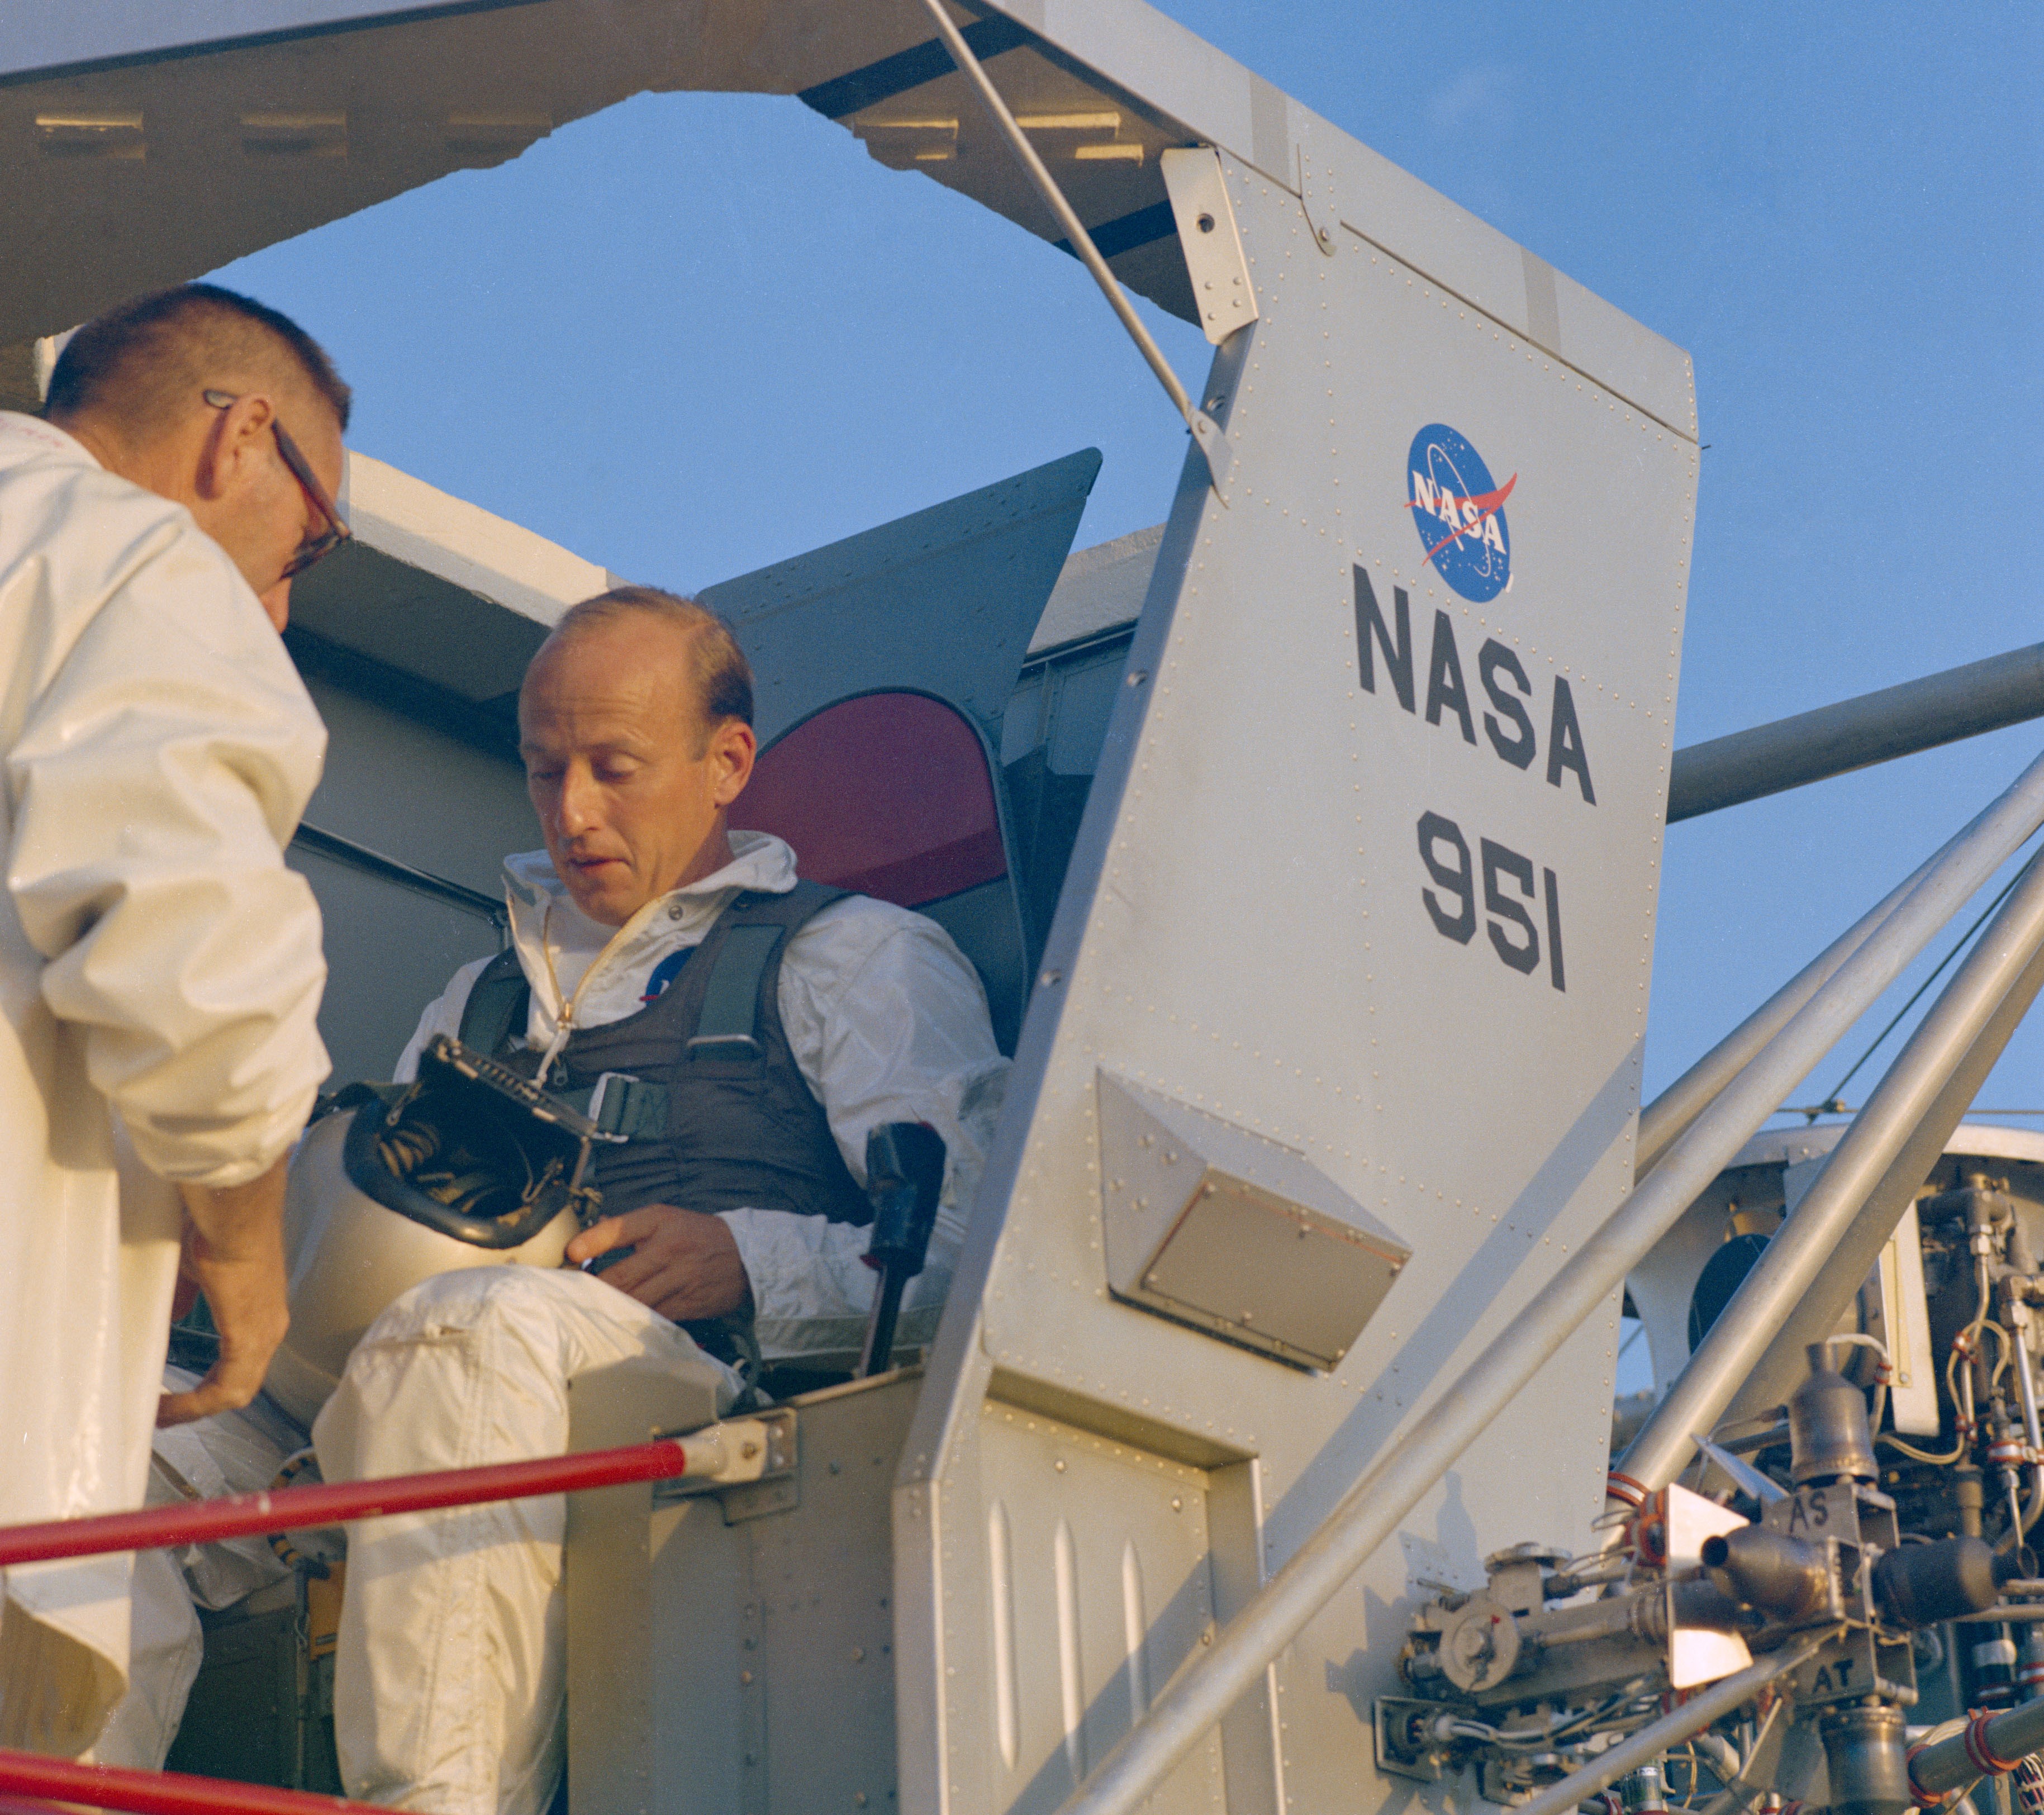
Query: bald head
[[635, 724], [718, 678]]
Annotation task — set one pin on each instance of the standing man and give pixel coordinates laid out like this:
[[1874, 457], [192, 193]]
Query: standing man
[[159, 967]]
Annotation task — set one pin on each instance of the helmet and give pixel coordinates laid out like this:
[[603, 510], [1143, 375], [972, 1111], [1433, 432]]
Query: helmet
[[469, 1166]]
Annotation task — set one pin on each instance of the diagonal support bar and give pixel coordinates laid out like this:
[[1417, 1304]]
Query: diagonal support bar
[[1775, 1375], [1662, 1121], [1783, 1276], [1206, 431], [1681, 1723], [1372, 1510]]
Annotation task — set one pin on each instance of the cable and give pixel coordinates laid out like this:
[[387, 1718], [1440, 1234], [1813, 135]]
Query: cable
[[1916, 1454], [1835, 1103]]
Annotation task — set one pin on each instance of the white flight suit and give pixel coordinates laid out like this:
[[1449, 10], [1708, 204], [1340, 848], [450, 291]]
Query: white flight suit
[[449, 1687], [159, 973]]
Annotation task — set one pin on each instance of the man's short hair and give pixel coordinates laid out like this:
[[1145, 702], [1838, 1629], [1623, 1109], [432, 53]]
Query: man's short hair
[[144, 363], [722, 675]]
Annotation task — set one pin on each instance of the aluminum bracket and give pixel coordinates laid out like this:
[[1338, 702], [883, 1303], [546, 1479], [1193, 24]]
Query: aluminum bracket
[[1211, 242]]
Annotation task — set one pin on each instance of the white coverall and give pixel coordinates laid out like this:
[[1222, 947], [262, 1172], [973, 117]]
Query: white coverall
[[449, 1689], [159, 972]]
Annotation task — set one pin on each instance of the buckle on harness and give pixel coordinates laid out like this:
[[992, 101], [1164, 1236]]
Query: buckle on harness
[[625, 1108], [732, 1046]]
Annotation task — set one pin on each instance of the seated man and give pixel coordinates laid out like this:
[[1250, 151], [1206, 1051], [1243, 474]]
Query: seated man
[[635, 723]]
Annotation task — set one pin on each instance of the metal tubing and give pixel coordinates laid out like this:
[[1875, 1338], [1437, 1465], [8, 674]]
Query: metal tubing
[[1790, 1264], [1647, 1744], [1946, 1765], [298, 1509], [1662, 1121], [1875, 727], [159, 1793], [1053, 199], [2025, 1384], [1837, 1284], [1371, 1510], [337, 849]]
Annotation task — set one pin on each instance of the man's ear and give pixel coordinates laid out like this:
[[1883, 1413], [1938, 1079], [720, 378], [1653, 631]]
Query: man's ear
[[732, 749], [231, 453]]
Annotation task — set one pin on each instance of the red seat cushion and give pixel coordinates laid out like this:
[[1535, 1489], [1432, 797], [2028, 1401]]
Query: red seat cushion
[[887, 793]]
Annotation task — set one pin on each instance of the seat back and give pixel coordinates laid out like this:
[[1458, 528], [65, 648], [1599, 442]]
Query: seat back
[[891, 794]]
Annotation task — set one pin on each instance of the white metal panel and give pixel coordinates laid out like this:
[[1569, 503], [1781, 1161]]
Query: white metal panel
[[34, 37], [464, 545], [1097, 1587], [1244, 929], [1913, 1397]]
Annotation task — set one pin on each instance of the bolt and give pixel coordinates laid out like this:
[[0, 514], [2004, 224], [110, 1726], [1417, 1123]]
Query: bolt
[[859, 1654], [1059, 1465], [748, 1450], [745, 1678]]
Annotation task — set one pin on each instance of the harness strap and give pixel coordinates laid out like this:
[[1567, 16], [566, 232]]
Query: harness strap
[[619, 1104], [497, 1002], [728, 1027]]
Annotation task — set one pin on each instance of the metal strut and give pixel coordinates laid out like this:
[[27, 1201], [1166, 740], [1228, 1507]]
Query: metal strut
[[1370, 1511], [337, 849], [1679, 1724], [1206, 431], [1781, 1279], [730, 1452]]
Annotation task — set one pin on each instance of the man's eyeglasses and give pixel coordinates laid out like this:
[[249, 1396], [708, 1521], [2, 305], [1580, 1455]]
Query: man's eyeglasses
[[313, 547]]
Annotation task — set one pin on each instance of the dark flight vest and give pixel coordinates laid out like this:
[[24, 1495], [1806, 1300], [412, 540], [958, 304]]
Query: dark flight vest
[[721, 1117]]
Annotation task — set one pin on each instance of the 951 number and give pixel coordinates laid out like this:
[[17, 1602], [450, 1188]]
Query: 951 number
[[1508, 894]]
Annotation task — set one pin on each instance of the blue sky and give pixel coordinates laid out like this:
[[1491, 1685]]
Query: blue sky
[[697, 333]]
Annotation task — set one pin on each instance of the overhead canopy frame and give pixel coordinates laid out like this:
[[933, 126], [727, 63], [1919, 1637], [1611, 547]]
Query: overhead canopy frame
[[142, 147]]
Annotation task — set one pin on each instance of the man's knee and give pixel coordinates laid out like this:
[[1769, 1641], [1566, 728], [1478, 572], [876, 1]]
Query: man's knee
[[449, 1304]]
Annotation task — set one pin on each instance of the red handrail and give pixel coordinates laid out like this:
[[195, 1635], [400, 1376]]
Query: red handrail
[[295, 1509], [29, 1774]]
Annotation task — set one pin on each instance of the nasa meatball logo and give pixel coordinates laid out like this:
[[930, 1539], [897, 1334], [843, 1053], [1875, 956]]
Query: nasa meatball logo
[[1458, 510]]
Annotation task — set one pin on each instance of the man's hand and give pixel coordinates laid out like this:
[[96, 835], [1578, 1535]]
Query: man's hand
[[683, 1264], [234, 1253]]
